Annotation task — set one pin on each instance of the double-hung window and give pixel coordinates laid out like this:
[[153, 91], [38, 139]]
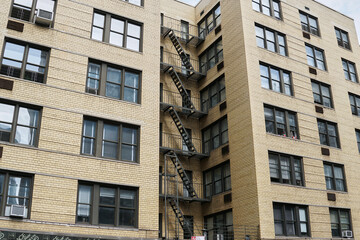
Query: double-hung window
[[291, 220], [342, 38], [281, 122], [117, 30], [276, 79], [286, 169], [334, 177], [315, 57], [267, 7], [349, 70], [215, 135], [328, 133], [15, 189], [357, 132], [213, 94], [210, 21], [27, 9], [25, 61], [309, 23], [321, 93], [220, 224], [270, 39], [111, 140], [354, 104], [113, 81], [211, 56], [19, 124], [340, 221], [99, 204], [217, 180]]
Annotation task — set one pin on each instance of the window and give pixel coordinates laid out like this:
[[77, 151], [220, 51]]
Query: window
[[315, 57], [215, 135], [27, 9], [354, 104], [220, 223], [107, 139], [213, 94], [15, 189], [340, 221], [342, 38], [276, 79], [357, 131], [321, 93], [113, 81], [188, 220], [349, 70], [328, 133], [210, 21], [136, 2], [26, 61], [270, 39], [211, 56], [281, 122], [19, 124], [334, 177], [267, 7], [107, 205], [286, 169], [291, 220], [217, 180], [309, 23], [116, 30]]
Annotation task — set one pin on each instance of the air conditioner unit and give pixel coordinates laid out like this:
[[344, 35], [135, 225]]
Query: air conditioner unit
[[347, 234], [18, 211], [43, 17], [92, 90]]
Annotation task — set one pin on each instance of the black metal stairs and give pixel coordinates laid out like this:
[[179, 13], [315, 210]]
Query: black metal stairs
[[179, 215]]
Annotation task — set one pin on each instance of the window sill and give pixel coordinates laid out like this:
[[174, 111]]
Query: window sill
[[113, 45], [318, 36], [281, 93], [326, 146], [350, 50], [326, 71], [278, 19], [85, 225], [288, 185], [112, 99], [286, 56], [286, 137], [328, 108], [109, 159], [336, 191], [348, 80]]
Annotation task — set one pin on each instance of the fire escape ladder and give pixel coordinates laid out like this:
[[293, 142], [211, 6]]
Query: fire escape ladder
[[181, 171], [179, 215], [180, 126], [179, 85], [184, 58]]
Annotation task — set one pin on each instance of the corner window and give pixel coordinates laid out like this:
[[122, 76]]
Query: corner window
[[116, 30], [19, 124], [213, 94], [210, 21], [270, 39], [334, 177], [349, 70], [27, 9], [281, 122], [309, 23], [342, 38], [217, 180], [286, 169], [321, 93], [111, 140], [107, 205], [15, 190], [211, 56], [315, 57], [276, 79], [340, 221], [25, 61], [113, 81], [219, 224], [291, 220], [267, 7], [354, 104], [328, 133], [215, 135]]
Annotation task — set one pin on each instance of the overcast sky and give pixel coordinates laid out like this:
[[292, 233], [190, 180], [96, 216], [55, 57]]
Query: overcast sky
[[350, 8]]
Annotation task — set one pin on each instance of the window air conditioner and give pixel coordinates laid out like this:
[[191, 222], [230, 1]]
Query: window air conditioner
[[347, 234], [43, 17], [18, 211]]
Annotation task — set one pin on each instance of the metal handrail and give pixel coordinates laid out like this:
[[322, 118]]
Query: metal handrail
[[174, 98], [174, 141], [175, 25], [176, 188], [175, 60]]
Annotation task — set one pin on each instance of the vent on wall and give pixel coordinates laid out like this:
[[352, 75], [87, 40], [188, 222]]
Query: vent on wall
[[202, 12], [331, 196], [307, 8], [325, 151]]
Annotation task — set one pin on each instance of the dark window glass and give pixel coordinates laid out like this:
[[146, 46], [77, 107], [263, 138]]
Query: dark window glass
[[340, 221], [270, 39], [315, 57], [210, 21], [215, 135], [334, 177], [309, 23], [357, 131], [213, 94], [217, 179], [354, 104], [328, 133], [281, 122], [321, 93], [211, 56], [286, 169], [220, 224], [349, 70], [342, 38], [276, 79], [290, 220]]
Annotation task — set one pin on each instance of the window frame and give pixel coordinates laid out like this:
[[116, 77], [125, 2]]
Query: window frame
[[276, 42], [320, 85], [101, 91], [223, 178], [338, 212], [355, 108], [340, 41], [307, 24], [271, 10], [99, 138], [212, 136], [313, 56], [348, 72], [292, 159], [333, 178], [206, 30], [327, 123], [357, 135], [224, 226], [206, 100], [95, 204], [107, 29], [281, 74], [287, 123], [208, 57]]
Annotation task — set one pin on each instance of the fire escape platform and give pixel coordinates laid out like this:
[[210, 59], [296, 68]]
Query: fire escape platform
[[183, 111], [190, 75], [190, 39], [184, 153], [185, 199]]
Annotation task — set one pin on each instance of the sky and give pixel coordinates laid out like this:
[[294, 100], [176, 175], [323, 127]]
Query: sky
[[350, 8]]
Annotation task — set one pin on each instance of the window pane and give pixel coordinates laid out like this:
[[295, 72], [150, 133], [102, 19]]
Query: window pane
[[99, 20], [113, 75], [127, 217], [28, 117], [37, 57], [113, 90], [25, 3], [107, 196], [19, 187], [129, 153], [131, 95], [133, 44], [109, 149], [111, 132], [25, 135], [136, 2], [116, 39], [85, 194], [302, 215], [14, 51], [132, 79], [6, 112], [89, 128], [2, 179], [88, 146], [106, 215], [97, 34], [134, 30], [127, 198], [117, 25], [129, 135], [83, 213]]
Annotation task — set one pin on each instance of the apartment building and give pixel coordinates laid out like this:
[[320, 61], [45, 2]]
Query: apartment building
[[139, 119]]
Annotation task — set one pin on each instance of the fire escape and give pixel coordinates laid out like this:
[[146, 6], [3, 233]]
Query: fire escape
[[178, 69]]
